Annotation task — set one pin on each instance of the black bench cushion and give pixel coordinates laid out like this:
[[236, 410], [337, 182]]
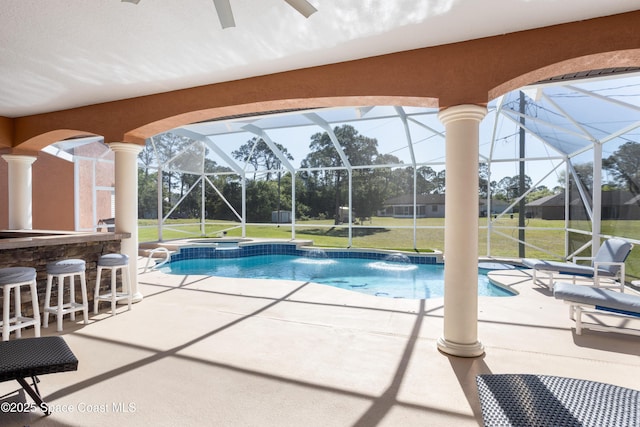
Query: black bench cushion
[[28, 357]]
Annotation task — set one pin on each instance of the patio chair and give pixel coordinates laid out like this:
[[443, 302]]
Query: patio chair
[[30, 357], [608, 263], [603, 302]]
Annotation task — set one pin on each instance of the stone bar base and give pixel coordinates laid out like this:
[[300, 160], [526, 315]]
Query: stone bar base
[[47, 250]]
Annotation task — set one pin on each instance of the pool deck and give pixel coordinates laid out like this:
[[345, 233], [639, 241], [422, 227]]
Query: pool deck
[[237, 352]]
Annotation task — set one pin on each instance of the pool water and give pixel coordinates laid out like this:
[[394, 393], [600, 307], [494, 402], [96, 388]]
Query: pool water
[[372, 277]]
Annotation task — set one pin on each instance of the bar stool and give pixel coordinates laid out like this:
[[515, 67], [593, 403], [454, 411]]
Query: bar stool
[[14, 278], [60, 270], [113, 263]]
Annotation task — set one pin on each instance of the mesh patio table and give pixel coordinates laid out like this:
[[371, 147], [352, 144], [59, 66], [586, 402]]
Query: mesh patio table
[[541, 400]]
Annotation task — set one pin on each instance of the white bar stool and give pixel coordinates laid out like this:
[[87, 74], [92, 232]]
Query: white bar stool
[[60, 270], [113, 263], [14, 278]]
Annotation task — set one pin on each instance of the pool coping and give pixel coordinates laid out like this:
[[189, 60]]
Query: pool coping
[[244, 247]]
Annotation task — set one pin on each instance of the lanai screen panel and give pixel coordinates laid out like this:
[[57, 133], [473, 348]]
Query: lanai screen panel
[[571, 116], [561, 121], [550, 124]]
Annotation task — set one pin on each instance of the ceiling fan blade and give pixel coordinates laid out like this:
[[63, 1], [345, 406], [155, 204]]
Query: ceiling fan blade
[[224, 13], [303, 6]]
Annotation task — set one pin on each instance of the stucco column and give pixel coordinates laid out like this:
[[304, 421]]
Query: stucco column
[[20, 191], [460, 337], [126, 168]]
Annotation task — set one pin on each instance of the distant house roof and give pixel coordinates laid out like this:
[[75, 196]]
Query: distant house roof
[[430, 199], [609, 198], [421, 199], [552, 200], [635, 200]]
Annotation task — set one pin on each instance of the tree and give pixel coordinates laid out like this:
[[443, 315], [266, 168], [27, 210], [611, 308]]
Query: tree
[[540, 192], [167, 146], [228, 186], [257, 153], [372, 186], [359, 150], [261, 199], [147, 157], [392, 181], [483, 179], [158, 152], [426, 180], [624, 166], [182, 160], [190, 205], [147, 194], [440, 182], [584, 172], [232, 192], [508, 188]]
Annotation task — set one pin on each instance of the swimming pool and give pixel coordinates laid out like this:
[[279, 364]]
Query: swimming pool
[[383, 278]]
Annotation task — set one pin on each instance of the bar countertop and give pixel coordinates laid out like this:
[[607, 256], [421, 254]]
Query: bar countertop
[[13, 239]]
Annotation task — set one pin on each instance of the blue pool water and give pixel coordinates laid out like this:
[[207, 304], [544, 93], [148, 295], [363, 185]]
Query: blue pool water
[[374, 277]]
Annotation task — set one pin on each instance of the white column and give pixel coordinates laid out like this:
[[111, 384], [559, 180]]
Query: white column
[[126, 168], [20, 191], [461, 222]]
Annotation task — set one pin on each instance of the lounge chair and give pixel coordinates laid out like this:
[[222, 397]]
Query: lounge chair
[[30, 357], [603, 302], [608, 263]]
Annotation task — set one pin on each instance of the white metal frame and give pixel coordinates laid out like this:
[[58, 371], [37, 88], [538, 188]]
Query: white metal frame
[[577, 310]]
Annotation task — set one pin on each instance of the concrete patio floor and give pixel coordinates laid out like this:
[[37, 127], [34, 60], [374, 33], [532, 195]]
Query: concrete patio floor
[[233, 352]]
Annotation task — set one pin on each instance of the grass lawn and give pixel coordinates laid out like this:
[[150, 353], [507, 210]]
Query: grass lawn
[[380, 233]]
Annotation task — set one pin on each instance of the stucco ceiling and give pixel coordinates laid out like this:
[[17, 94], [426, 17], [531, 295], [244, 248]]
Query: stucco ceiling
[[59, 54]]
